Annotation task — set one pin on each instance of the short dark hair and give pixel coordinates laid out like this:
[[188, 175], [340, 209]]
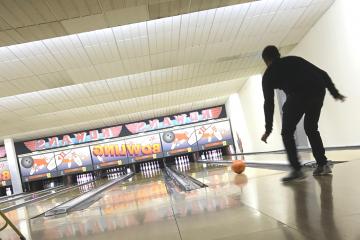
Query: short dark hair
[[270, 53]]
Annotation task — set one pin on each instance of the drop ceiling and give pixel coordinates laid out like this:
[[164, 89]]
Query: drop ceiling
[[80, 64]]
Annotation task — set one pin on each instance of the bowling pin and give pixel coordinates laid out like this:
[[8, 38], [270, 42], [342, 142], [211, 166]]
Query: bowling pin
[[51, 165], [8, 192], [77, 160], [146, 174], [216, 133], [32, 170], [173, 145], [192, 138]]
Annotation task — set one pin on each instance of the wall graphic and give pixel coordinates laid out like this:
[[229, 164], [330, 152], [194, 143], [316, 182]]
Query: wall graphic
[[73, 160], [128, 129], [38, 166], [109, 154], [179, 141], [144, 148], [5, 177], [73, 138], [214, 135], [176, 120]]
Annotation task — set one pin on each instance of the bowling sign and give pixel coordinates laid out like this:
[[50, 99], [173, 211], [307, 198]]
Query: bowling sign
[[36, 167], [179, 141], [5, 177], [214, 135], [73, 160], [144, 148], [109, 154]]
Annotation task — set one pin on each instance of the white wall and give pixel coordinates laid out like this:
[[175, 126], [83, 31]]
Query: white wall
[[245, 110], [235, 113], [334, 45]]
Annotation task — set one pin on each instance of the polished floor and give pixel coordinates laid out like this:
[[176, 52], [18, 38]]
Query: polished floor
[[252, 205]]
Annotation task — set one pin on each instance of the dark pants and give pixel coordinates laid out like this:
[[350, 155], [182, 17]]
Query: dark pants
[[294, 108]]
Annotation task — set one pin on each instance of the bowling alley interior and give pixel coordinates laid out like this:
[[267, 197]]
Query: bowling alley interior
[[148, 119]]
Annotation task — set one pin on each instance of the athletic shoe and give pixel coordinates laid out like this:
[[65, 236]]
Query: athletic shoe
[[322, 170], [294, 175]]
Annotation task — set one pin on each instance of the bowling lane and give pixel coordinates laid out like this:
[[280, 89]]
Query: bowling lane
[[142, 209], [217, 212], [139, 208], [256, 205]]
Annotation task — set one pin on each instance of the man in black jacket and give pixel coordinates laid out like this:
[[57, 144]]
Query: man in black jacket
[[305, 87]]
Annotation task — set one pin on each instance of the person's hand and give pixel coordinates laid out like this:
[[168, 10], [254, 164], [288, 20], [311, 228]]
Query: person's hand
[[340, 98], [265, 137]]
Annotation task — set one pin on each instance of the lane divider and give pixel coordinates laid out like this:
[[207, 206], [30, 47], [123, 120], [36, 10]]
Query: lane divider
[[67, 206], [24, 195], [185, 182], [46, 196]]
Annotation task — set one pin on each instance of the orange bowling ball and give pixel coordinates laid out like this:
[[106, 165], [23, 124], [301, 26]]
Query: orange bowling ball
[[238, 166]]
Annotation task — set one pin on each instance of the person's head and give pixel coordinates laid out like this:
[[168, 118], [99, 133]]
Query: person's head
[[269, 54]]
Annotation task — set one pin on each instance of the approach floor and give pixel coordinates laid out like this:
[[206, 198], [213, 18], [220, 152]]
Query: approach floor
[[252, 205]]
